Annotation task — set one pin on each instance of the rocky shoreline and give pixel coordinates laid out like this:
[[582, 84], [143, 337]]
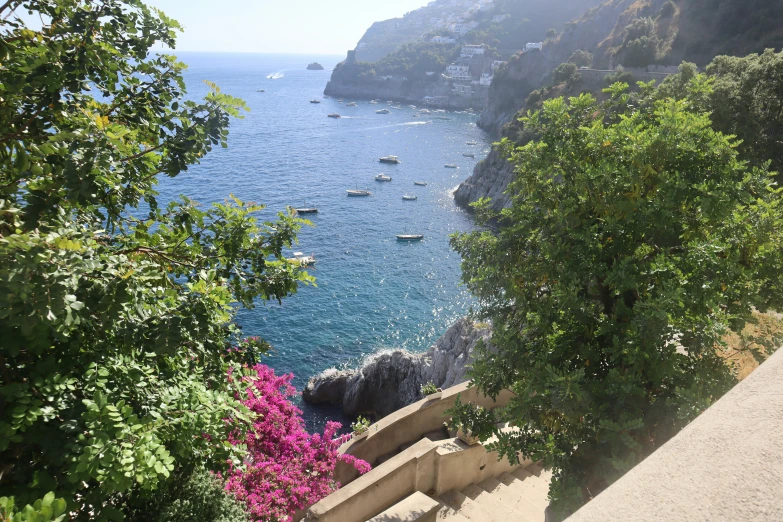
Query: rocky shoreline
[[391, 379]]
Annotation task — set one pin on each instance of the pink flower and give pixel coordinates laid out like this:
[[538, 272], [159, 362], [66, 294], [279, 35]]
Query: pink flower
[[287, 469]]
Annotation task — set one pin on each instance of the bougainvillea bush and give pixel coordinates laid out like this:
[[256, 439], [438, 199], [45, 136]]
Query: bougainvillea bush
[[286, 468]]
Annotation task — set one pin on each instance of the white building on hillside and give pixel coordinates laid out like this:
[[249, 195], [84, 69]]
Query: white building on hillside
[[498, 63], [535, 45], [469, 51], [443, 40], [458, 72], [463, 90], [463, 28], [486, 79]]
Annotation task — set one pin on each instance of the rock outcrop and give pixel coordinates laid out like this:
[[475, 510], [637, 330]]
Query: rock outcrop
[[315, 66], [490, 179], [391, 379]]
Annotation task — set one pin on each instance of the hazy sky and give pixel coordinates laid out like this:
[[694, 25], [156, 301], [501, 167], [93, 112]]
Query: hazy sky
[[278, 26]]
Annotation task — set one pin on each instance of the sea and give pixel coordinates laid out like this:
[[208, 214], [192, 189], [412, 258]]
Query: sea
[[372, 292]]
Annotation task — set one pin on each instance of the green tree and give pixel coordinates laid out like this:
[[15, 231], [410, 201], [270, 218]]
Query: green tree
[[116, 312], [636, 237], [582, 58]]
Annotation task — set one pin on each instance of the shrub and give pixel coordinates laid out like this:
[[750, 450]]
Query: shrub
[[286, 469], [635, 238], [197, 496], [429, 388]]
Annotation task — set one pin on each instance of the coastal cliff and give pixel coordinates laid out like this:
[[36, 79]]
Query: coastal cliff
[[390, 380], [490, 179]]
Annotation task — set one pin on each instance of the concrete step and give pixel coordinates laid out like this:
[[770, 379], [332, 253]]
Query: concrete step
[[540, 472], [417, 507], [514, 496], [491, 504], [449, 514], [533, 489], [466, 507], [532, 501]]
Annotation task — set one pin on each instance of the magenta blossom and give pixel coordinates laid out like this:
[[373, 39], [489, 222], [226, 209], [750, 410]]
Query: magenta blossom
[[287, 469]]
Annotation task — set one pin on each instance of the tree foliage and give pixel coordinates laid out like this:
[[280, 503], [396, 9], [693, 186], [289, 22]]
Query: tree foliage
[[116, 312], [636, 237]]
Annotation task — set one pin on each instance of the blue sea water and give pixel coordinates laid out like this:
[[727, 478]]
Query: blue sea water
[[372, 291]]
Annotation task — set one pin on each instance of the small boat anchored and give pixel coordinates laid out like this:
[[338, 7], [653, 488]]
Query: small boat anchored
[[306, 210], [389, 159], [351, 104], [451, 166], [471, 143], [315, 101], [382, 111], [334, 115], [468, 154], [420, 183], [410, 237], [382, 177], [358, 193], [407, 197], [302, 260]]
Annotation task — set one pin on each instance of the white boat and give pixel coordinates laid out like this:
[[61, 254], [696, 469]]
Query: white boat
[[406, 197], [302, 260], [410, 237], [358, 193], [425, 111], [374, 102], [468, 154], [451, 166], [389, 159], [351, 104], [383, 111], [382, 177], [420, 183], [471, 143]]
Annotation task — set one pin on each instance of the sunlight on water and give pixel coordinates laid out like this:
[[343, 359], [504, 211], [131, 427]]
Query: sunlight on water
[[373, 292]]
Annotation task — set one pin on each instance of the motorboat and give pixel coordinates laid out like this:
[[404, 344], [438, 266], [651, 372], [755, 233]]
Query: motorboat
[[382, 177], [334, 115], [407, 197], [425, 111], [382, 111], [358, 193], [306, 210], [451, 166], [374, 102], [389, 159], [471, 143], [260, 90], [410, 237], [351, 104], [468, 154], [420, 183], [302, 260], [315, 101]]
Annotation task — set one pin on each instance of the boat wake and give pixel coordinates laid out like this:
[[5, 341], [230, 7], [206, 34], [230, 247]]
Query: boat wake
[[275, 76]]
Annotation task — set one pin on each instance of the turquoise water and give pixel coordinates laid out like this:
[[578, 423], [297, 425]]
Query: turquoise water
[[372, 292]]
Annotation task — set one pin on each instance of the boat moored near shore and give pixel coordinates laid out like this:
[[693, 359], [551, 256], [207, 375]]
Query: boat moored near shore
[[420, 183], [410, 237], [382, 177], [358, 193], [407, 197], [389, 159], [334, 115]]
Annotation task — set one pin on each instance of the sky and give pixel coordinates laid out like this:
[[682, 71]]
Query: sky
[[278, 26]]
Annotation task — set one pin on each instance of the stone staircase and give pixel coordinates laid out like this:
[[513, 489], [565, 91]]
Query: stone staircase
[[519, 496]]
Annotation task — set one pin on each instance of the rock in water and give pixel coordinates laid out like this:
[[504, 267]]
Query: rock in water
[[315, 66], [391, 379]]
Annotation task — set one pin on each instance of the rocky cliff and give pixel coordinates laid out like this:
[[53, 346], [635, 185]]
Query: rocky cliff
[[490, 179], [390, 380]]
